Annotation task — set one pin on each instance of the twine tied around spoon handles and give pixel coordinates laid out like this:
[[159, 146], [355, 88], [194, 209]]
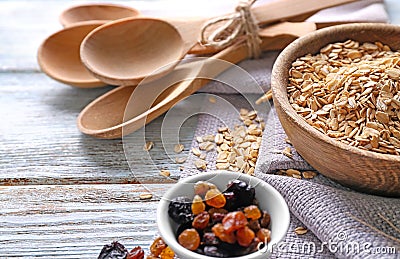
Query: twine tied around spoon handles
[[242, 22]]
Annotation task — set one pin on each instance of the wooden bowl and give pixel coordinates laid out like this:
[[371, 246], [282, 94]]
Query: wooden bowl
[[362, 170]]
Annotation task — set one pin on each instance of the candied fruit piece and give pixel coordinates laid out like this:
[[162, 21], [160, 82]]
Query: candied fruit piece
[[254, 225], [219, 231], [198, 205], [215, 252], [189, 239], [244, 193], [180, 210], [167, 253], [215, 198], [209, 239], [265, 220], [157, 246], [115, 250], [245, 236], [233, 221], [201, 220], [252, 212], [264, 235], [136, 253]]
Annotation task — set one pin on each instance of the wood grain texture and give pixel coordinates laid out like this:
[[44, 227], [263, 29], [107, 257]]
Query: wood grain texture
[[75, 221], [42, 145]]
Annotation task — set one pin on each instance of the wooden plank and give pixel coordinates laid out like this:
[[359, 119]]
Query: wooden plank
[[75, 221], [42, 145]]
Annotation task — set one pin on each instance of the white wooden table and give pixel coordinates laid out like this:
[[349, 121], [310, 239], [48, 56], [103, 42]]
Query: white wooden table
[[64, 194]]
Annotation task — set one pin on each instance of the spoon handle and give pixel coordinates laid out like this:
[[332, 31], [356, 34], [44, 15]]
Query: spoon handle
[[284, 9]]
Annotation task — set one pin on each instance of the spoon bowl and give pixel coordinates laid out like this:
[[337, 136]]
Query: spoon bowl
[[126, 57], [95, 12], [59, 57]]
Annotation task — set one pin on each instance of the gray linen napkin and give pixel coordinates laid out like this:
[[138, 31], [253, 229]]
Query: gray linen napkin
[[342, 223]]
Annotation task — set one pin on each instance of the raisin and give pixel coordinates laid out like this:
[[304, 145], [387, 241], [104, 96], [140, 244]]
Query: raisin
[[265, 220], [254, 225], [198, 205], [231, 201], [115, 250], [217, 217], [215, 198], [136, 253], [219, 231], [157, 246], [180, 210], [215, 252], [209, 239], [233, 221], [189, 239], [252, 212], [264, 235], [244, 193], [245, 236], [167, 253], [201, 220]]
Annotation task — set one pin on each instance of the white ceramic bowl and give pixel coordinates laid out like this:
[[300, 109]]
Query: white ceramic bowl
[[269, 200]]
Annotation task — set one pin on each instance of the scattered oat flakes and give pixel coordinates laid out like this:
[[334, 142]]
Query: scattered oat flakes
[[145, 196], [309, 174], [200, 164], [212, 99], [292, 172], [148, 145], [300, 230], [165, 173], [178, 148], [180, 160], [287, 140], [265, 98], [287, 151], [196, 151]]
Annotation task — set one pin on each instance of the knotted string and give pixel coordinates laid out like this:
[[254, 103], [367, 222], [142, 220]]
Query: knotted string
[[242, 22]]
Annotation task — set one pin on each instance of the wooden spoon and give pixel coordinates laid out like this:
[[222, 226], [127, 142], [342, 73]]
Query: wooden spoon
[[126, 51], [95, 12], [58, 56], [104, 117]]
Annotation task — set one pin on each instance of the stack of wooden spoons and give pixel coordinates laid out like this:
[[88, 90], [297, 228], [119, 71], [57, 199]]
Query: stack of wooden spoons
[[107, 44]]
